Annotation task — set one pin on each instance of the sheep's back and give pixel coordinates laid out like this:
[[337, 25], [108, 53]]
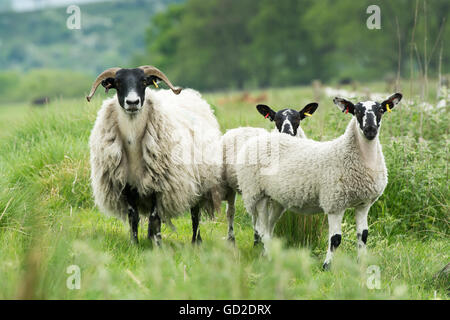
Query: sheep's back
[[304, 173]]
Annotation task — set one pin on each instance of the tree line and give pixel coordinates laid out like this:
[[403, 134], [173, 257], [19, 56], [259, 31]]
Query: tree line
[[222, 44]]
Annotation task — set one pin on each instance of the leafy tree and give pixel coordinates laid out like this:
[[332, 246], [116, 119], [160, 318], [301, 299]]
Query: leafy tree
[[280, 52], [164, 35], [233, 44]]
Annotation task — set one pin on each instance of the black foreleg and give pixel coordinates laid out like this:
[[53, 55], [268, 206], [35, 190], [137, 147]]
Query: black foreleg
[[195, 216], [132, 197], [154, 223], [256, 238]]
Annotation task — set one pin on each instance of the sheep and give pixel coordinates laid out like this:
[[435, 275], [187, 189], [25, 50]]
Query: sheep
[[308, 177], [41, 101], [150, 151], [286, 120]]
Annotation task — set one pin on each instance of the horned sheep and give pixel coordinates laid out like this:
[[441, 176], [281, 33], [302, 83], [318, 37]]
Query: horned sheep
[[142, 148]]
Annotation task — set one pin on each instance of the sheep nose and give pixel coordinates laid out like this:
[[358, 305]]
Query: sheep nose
[[370, 132], [132, 102], [287, 128]]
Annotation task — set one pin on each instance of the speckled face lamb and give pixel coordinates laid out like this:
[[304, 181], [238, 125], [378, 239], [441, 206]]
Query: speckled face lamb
[[287, 120], [368, 113], [318, 176]]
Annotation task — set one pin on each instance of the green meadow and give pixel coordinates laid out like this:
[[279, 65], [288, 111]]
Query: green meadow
[[48, 221]]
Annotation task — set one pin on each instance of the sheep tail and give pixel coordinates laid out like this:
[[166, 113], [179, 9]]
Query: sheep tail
[[216, 199], [212, 202]]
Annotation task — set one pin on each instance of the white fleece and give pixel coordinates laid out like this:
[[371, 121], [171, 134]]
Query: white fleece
[[171, 147], [310, 176]]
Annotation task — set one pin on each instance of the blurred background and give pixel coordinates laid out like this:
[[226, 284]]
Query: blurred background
[[218, 44], [237, 53]]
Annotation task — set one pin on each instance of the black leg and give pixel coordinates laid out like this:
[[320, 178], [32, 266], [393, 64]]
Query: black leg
[[133, 218], [154, 227], [195, 216], [256, 238], [132, 196], [154, 223], [231, 199]]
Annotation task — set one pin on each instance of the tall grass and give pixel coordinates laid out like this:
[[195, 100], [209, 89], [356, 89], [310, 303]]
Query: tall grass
[[302, 230], [48, 221]]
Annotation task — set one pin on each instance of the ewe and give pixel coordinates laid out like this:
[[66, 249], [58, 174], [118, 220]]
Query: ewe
[[142, 146], [279, 172], [286, 121]]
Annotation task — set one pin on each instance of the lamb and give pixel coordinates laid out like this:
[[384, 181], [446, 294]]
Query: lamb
[[286, 120], [310, 177], [148, 151]]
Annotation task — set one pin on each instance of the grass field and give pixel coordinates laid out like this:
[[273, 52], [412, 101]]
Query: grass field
[[48, 221]]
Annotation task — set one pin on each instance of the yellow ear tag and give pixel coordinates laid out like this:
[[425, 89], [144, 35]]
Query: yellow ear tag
[[154, 82], [307, 114], [387, 108]]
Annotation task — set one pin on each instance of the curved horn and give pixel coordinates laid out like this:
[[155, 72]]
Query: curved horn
[[152, 71], [109, 73]]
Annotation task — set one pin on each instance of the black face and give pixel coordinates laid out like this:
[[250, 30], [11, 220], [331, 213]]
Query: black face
[[368, 113], [287, 120], [130, 85]]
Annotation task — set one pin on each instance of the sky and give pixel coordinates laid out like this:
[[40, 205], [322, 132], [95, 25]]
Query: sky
[[30, 5]]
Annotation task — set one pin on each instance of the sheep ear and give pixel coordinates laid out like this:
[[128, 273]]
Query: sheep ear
[[153, 81], [308, 110], [344, 105], [108, 83], [266, 111], [390, 102]]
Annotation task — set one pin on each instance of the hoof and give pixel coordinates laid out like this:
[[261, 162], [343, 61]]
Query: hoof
[[256, 239], [158, 242], [362, 255], [359, 259], [197, 239], [231, 239], [155, 239], [326, 266]]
